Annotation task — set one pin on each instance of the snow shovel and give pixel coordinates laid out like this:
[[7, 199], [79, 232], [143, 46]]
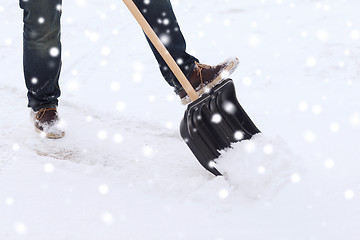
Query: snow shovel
[[211, 122]]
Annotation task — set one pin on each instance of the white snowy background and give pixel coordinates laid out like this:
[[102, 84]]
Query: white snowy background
[[123, 172]]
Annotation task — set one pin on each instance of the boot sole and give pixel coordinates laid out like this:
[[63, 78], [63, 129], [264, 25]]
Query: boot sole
[[50, 135]]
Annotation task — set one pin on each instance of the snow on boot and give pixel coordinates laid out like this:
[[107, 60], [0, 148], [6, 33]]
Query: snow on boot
[[205, 77], [47, 123]]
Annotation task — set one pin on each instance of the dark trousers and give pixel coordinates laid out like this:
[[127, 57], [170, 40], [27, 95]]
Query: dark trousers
[[42, 46]]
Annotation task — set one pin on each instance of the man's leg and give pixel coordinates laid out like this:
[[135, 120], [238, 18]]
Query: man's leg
[[42, 63], [161, 17], [42, 51]]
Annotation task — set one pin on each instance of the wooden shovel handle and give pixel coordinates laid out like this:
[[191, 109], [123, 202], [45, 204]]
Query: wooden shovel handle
[[161, 49]]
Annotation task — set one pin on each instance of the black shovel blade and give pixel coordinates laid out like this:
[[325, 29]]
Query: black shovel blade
[[213, 122]]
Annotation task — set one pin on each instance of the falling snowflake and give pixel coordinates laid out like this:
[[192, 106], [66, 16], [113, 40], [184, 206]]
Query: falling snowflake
[[349, 194], [102, 16], [81, 3], [166, 21], [20, 228], [311, 62], [268, 149], [103, 189], [89, 118], [216, 118], [170, 97], [69, 20], [326, 7], [355, 35], [169, 125], [120, 106], [8, 41], [138, 71], [223, 193], [152, 98], [295, 178], [102, 135], [258, 72], [304, 34], [254, 40], [334, 127], [115, 86], [227, 22], [9, 201], [229, 107], [73, 85], [41, 20], [103, 62], [165, 39], [118, 138], [107, 218], [355, 119], [180, 61], [322, 35], [238, 135], [317, 109], [93, 36], [261, 170], [208, 19], [105, 51], [54, 52], [247, 81], [212, 164], [250, 147], [309, 136], [303, 106], [329, 163], [16, 147], [49, 168], [137, 77]]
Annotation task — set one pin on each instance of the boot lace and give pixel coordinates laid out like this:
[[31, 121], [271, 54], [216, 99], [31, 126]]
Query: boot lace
[[40, 114], [199, 68]]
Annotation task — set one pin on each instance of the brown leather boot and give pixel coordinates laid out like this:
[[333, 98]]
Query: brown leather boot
[[205, 77], [47, 123]]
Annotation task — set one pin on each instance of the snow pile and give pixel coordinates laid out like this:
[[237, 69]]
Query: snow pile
[[259, 167]]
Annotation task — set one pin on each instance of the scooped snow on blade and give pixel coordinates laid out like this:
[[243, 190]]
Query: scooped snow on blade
[[213, 122]]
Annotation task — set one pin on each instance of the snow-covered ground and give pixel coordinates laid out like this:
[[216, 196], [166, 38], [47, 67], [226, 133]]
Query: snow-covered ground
[[123, 172]]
